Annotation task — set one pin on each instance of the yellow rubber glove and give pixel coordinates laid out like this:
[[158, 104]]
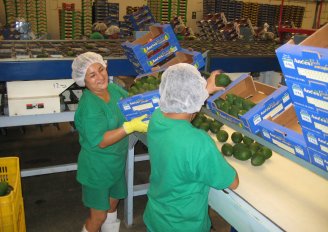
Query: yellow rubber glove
[[136, 124]]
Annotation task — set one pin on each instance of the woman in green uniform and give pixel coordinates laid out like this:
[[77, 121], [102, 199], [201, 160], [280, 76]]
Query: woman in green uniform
[[185, 161], [99, 30], [104, 143]]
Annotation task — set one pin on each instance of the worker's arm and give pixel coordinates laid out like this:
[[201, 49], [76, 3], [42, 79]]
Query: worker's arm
[[235, 183], [113, 136]]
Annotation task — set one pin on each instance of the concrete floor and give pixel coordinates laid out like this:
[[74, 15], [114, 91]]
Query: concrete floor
[[53, 202]]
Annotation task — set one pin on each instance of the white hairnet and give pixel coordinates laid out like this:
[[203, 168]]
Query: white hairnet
[[82, 63], [98, 26], [182, 89], [112, 30]]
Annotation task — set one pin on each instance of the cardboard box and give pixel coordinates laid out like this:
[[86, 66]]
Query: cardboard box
[[319, 159], [312, 96], [312, 120], [145, 52], [269, 102], [284, 131], [182, 56], [317, 141], [307, 61], [139, 105]]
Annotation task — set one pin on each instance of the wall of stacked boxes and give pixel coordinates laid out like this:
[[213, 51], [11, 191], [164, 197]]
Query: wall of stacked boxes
[[40, 12]]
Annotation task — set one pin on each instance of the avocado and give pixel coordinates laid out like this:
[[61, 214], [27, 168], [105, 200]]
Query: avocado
[[196, 122], [226, 107], [241, 152], [233, 111], [230, 97], [4, 186], [227, 149], [247, 140], [266, 152], [204, 126], [236, 137], [215, 126], [254, 147], [238, 101], [222, 80], [247, 104], [219, 102], [200, 116], [222, 136], [257, 159]]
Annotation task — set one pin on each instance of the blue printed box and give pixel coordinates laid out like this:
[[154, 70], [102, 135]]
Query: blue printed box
[[139, 105], [269, 102], [284, 131], [152, 48], [307, 61], [312, 120], [315, 140], [313, 96], [319, 159]]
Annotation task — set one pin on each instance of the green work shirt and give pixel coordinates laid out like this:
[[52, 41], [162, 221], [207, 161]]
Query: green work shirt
[[185, 163], [96, 35], [100, 167]]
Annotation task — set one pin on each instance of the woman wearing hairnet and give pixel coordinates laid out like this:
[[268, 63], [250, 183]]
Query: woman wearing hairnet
[[113, 32], [104, 143], [99, 29], [185, 161]]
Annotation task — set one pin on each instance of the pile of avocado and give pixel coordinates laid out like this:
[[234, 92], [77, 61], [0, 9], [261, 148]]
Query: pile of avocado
[[5, 188], [202, 122], [234, 105], [144, 84], [244, 148]]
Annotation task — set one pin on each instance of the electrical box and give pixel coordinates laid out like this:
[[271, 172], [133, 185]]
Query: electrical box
[[35, 97]]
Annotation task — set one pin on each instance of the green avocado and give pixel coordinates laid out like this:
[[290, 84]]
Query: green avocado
[[222, 80], [222, 136], [227, 149], [247, 105], [257, 159], [236, 137], [247, 140], [254, 147], [4, 186], [215, 126], [204, 126], [266, 152], [219, 102], [241, 152], [230, 97]]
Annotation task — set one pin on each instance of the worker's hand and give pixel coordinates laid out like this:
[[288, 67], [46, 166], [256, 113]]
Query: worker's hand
[[136, 124], [211, 87]]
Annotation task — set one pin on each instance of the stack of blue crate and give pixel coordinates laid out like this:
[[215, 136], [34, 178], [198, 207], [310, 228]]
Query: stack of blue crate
[[305, 68]]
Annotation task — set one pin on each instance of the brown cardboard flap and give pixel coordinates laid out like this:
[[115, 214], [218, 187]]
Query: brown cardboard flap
[[258, 97], [318, 38], [180, 57], [263, 88], [288, 119], [154, 32], [245, 88]]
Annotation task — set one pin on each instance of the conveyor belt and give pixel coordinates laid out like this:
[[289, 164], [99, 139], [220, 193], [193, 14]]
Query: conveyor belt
[[51, 59]]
